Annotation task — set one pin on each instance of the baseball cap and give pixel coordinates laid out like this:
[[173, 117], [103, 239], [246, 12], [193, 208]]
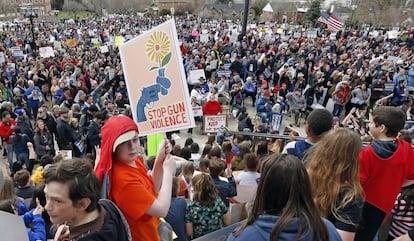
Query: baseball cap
[[127, 136], [19, 112]]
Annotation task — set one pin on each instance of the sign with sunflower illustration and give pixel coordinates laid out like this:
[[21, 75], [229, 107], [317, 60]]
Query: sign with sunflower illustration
[[156, 82]]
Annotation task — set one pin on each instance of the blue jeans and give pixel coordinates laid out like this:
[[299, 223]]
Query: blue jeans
[[337, 110], [9, 150], [266, 115], [23, 158]]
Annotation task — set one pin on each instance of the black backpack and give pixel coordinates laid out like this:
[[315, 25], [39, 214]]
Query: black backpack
[[243, 124]]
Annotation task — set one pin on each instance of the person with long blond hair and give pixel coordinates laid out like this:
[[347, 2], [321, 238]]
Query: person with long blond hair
[[334, 175]]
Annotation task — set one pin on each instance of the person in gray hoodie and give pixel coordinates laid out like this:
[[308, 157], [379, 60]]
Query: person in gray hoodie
[[283, 208]]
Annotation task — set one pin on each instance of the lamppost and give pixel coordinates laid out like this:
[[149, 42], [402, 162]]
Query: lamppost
[[31, 14]]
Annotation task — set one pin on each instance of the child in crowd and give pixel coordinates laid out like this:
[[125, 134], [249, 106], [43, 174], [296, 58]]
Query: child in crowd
[[7, 193], [250, 176], [24, 187], [334, 174], [402, 213], [226, 189], [176, 213], [283, 208], [385, 165], [207, 212]]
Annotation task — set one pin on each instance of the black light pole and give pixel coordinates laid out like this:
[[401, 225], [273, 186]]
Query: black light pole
[[245, 15], [31, 14]]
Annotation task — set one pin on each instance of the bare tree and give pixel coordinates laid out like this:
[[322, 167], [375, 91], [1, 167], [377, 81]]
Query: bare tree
[[382, 13], [73, 6]]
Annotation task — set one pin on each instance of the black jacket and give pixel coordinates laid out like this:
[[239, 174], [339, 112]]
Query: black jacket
[[94, 138], [64, 135], [115, 226]]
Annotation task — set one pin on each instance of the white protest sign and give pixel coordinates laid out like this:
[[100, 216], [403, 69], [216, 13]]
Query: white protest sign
[[157, 85], [12, 227], [213, 122], [46, 52], [57, 45], [195, 76], [197, 111], [204, 37], [104, 49]]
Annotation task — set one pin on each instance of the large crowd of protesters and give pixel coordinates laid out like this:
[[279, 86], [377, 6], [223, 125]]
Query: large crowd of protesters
[[349, 87]]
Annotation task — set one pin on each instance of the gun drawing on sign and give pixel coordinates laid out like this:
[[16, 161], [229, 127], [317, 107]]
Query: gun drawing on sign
[[150, 94]]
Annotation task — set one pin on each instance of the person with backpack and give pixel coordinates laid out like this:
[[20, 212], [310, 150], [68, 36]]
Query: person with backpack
[[72, 201], [244, 123]]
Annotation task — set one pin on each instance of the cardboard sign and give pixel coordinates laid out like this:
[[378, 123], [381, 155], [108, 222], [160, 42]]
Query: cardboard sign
[[18, 54], [197, 111], [220, 234], [57, 45], [71, 42], [195, 76], [12, 227], [213, 122], [312, 34], [67, 154], [46, 52], [157, 84], [204, 37], [277, 121], [104, 49]]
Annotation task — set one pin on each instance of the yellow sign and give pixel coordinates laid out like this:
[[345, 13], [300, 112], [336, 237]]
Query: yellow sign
[[119, 40], [279, 30], [71, 42]]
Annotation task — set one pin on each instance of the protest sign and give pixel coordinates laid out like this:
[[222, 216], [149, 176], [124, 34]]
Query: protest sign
[[156, 84], [312, 34], [221, 234], [57, 45], [12, 227], [213, 122], [197, 111], [18, 54], [104, 49], [195, 75], [71, 42], [153, 141], [277, 121], [204, 37], [119, 40], [66, 154], [46, 52]]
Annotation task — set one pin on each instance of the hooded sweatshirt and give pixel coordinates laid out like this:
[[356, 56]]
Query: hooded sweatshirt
[[113, 128], [129, 187], [260, 231]]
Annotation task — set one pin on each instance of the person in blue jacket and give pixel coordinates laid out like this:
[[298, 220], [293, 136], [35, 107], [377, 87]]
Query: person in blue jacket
[[283, 208]]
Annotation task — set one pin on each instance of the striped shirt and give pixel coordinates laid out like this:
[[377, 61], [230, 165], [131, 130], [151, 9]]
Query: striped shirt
[[402, 220]]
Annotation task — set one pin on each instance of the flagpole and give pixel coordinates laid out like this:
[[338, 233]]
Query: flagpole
[[245, 15]]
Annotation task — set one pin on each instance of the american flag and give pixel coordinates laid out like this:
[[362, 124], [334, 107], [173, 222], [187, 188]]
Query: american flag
[[331, 21]]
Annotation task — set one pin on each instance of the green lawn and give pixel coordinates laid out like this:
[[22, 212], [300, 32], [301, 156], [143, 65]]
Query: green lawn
[[81, 14]]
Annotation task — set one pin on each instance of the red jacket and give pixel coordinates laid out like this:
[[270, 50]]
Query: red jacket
[[212, 108], [6, 131]]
